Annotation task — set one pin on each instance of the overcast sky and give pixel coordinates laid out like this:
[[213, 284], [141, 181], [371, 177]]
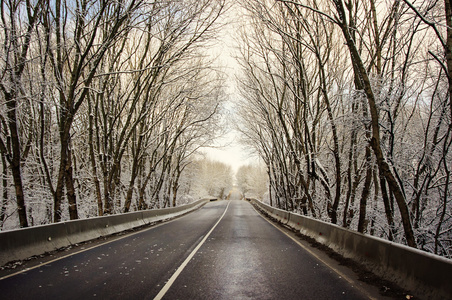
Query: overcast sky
[[227, 148]]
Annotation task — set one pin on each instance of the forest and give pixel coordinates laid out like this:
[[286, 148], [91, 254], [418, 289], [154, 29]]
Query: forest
[[105, 105], [348, 103]]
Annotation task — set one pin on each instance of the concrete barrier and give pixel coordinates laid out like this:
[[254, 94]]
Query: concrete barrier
[[23, 243], [150, 216], [43, 239], [425, 274], [295, 221], [87, 229], [279, 215], [154, 215]]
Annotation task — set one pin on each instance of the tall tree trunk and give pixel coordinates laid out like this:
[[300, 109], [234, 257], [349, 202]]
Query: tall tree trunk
[[349, 176], [387, 205], [100, 209], [15, 62], [375, 204], [337, 160], [5, 190], [16, 160], [444, 208], [142, 203], [136, 152], [448, 49], [375, 141], [64, 148], [107, 195], [362, 222], [70, 189], [128, 200], [270, 186], [176, 185]]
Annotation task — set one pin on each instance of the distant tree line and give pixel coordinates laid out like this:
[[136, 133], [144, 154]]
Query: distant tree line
[[348, 103], [209, 178], [102, 104], [252, 181]]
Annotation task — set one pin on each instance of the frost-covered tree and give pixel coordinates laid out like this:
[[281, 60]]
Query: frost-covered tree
[[252, 181], [18, 22], [110, 100], [347, 103], [209, 178]]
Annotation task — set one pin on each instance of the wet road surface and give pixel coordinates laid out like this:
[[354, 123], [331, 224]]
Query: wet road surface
[[224, 250]]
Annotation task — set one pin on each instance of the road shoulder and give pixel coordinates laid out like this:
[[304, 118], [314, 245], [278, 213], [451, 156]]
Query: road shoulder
[[356, 274]]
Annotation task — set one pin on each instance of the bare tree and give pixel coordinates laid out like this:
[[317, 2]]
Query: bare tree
[[378, 92], [17, 38]]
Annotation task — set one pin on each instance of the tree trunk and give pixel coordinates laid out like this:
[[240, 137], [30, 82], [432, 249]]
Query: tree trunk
[[444, 208], [448, 49], [375, 204], [176, 185], [16, 160], [375, 141], [64, 149], [5, 190], [388, 211], [70, 189], [100, 209], [362, 223]]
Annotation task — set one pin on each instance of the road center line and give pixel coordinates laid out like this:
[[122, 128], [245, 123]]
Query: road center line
[[185, 263]]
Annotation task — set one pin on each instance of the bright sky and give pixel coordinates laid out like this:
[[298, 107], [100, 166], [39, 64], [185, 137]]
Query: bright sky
[[227, 148], [230, 152]]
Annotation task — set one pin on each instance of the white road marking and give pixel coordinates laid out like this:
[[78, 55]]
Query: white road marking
[[187, 260]]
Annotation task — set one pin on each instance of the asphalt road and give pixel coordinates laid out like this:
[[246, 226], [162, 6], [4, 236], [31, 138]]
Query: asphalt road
[[224, 250]]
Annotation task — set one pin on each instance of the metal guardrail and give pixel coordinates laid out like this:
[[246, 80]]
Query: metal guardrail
[[423, 273], [23, 243]]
